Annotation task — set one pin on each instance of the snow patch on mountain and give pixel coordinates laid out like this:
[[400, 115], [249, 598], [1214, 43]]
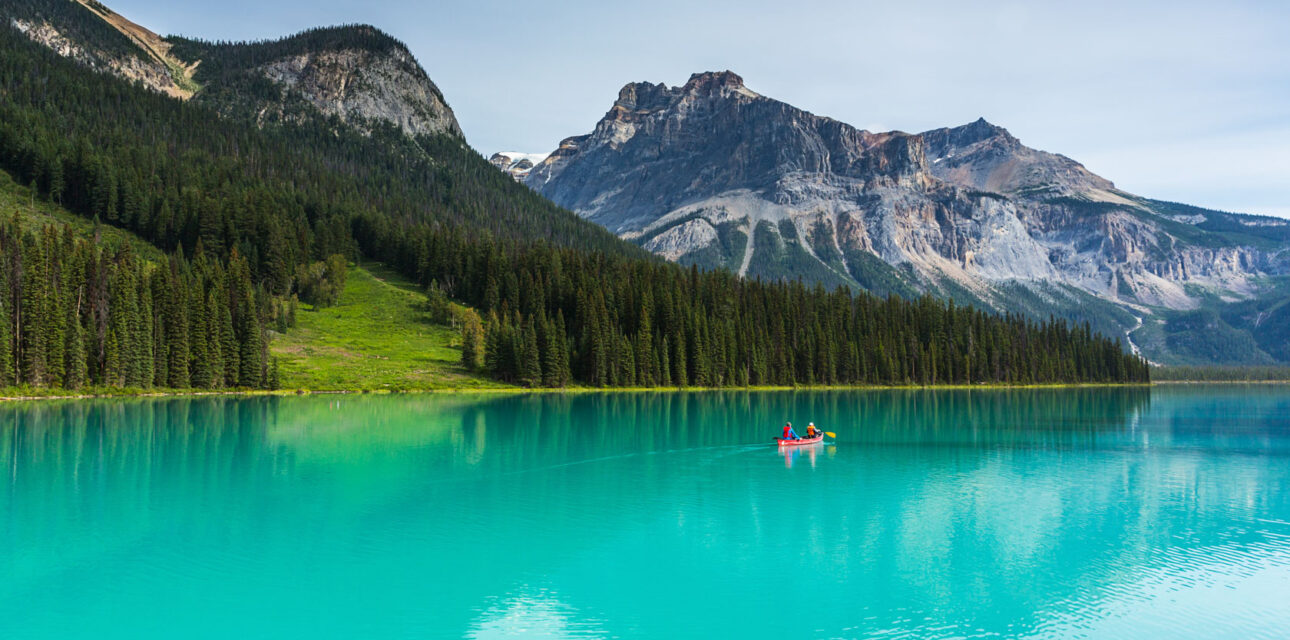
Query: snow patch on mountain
[[517, 163]]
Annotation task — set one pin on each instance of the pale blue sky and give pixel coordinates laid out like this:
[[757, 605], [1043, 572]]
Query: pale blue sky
[[1182, 100]]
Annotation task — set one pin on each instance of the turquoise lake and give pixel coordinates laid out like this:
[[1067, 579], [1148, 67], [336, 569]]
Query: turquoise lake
[[1074, 513]]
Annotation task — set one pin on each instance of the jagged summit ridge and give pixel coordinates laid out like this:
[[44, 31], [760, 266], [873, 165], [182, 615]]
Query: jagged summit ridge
[[671, 145], [716, 82], [645, 95]]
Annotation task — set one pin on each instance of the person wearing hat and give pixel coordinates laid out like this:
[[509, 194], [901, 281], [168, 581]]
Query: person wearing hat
[[811, 431], [789, 434]]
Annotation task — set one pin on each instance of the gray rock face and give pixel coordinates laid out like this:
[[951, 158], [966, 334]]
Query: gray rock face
[[356, 85], [712, 173]]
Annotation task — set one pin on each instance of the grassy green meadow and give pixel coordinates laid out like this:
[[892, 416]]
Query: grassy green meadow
[[377, 337]]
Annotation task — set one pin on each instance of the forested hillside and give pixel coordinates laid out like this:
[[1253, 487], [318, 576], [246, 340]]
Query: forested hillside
[[563, 300], [557, 315]]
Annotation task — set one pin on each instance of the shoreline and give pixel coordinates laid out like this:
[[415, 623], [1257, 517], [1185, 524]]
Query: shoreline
[[173, 393], [9, 395]]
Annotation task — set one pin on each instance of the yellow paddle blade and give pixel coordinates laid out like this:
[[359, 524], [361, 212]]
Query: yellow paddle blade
[[830, 434]]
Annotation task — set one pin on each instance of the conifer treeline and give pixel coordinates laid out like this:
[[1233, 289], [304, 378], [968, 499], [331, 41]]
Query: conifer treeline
[[556, 315], [74, 315]]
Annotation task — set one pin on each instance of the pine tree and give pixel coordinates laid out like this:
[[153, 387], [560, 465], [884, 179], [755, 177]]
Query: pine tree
[[31, 324], [274, 383], [562, 373], [250, 335], [228, 346], [699, 368], [530, 358], [214, 345], [124, 321], [681, 375], [56, 309], [494, 344], [472, 341], [74, 353], [177, 331], [7, 376], [57, 181], [552, 351], [199, 359], [665, 366]]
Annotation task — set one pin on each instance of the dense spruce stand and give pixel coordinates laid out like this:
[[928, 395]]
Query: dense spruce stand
[[251, 215]]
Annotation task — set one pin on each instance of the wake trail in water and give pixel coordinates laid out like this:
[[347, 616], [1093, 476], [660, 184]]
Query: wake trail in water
[[734, 449], [730, 449]]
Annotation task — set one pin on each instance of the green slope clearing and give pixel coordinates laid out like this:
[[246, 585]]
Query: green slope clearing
[[377, 337]]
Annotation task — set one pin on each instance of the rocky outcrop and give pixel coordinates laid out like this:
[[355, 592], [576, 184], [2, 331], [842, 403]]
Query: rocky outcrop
[[713, 173], [360, 86]]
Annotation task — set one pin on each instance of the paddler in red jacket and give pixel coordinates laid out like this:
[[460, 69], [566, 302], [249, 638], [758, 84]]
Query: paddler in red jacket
[[789, 434]]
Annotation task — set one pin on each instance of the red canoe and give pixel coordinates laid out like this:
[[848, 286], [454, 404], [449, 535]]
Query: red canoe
[[799, 442]]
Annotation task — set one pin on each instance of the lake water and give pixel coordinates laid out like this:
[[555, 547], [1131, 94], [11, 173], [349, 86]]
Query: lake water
[[1081, 513]]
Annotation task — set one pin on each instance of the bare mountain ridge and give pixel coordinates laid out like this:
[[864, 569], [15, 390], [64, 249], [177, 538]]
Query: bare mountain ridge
[[713, 173]]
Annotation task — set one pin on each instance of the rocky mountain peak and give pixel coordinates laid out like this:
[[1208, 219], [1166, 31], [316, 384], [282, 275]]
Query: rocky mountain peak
[[357, 73], [673, 147], [642, 96], [710, 82], [357, 85], [971, 133], [986, 157]]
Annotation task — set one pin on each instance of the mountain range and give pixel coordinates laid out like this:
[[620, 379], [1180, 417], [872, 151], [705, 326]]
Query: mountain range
[[709, 174], [714, 174]]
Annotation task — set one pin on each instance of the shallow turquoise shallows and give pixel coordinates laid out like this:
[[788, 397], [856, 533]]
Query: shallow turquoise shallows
[[1080, 513]]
